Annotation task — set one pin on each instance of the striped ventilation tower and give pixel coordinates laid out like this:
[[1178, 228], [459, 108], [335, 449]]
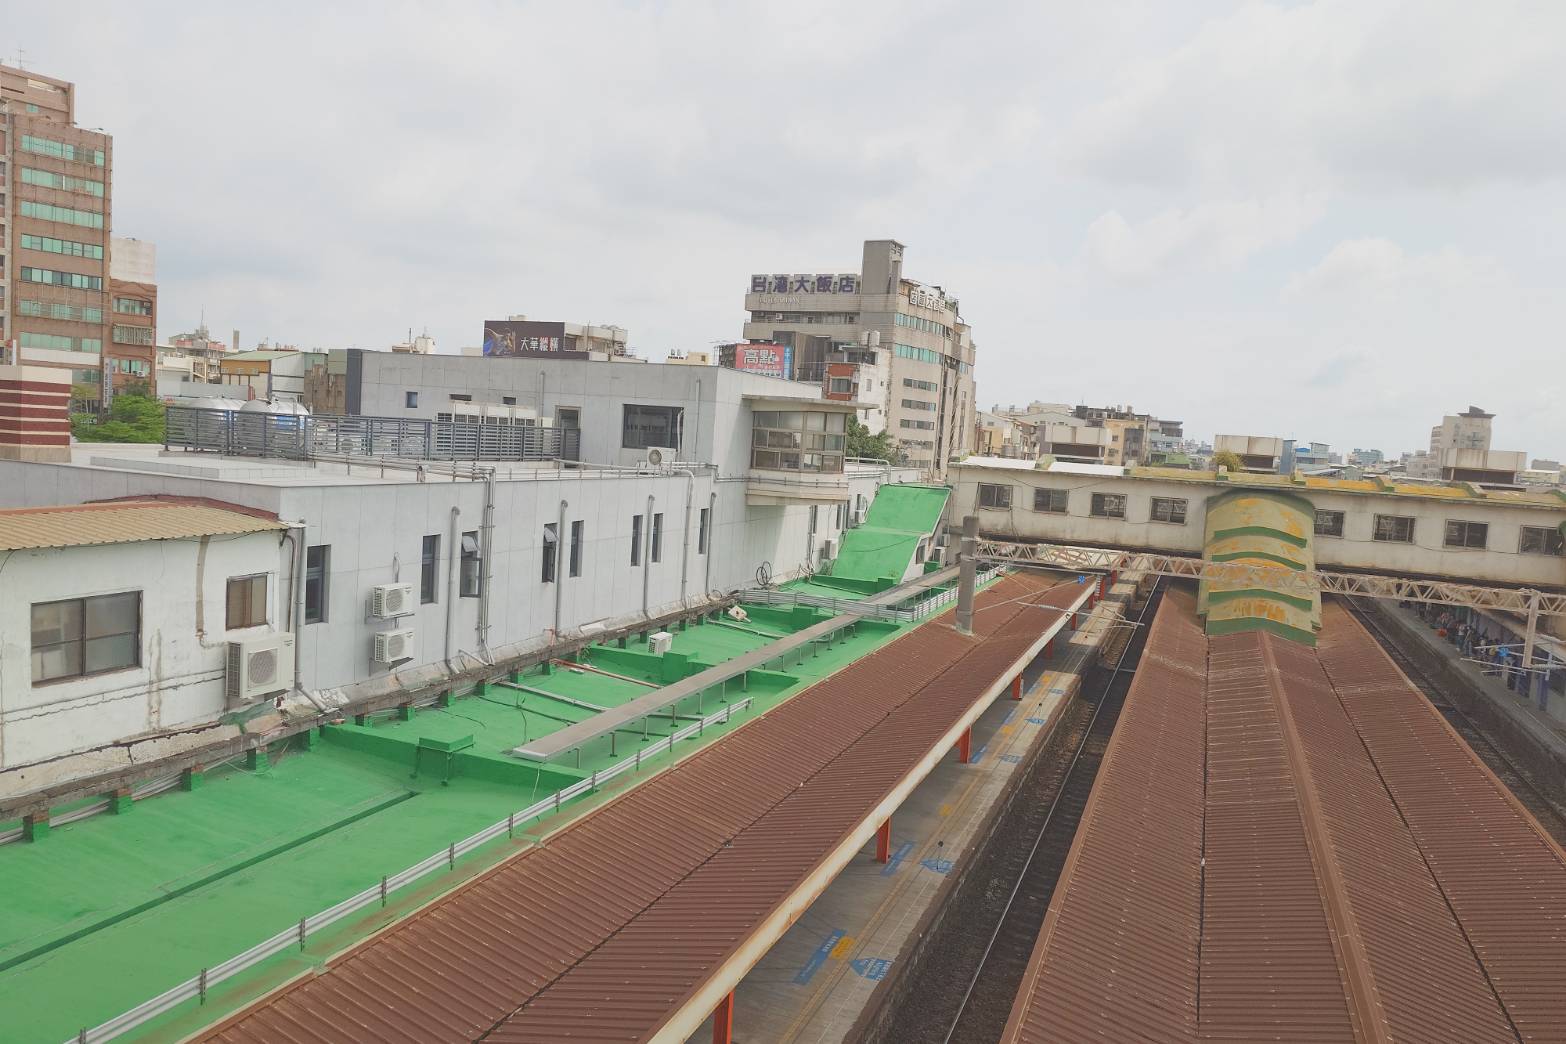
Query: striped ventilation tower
[[1273, 531], [35, 413]]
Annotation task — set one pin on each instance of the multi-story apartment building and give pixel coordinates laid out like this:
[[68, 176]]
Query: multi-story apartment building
[[55, 207], [914, 351], [130, 357]]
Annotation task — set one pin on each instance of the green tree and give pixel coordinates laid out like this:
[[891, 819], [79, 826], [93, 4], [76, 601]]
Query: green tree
[[1227, 459], [877, 447], [132, 416]]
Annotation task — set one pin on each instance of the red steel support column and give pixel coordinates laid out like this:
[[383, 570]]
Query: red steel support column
[[1049, 649], [965, 745], [723, 1021], [1016, 685], [883, 842]]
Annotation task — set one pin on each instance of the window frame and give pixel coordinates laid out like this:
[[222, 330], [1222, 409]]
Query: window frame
[[410, 400], [470, 571], [429, 569], [83, 637], [1341, 518], [997, 493], [249, 580], [1098, 506], [1184, 508], [578, 539], [1052, 495], [1551, 535], [1377, 527], [656, 552], [638, 438], [637, 525], [1467, 527], [322, 572], [549, 560], [703, 530]]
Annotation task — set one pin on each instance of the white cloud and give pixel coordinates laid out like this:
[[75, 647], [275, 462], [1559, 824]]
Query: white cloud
[[1212, 235], [1372, 269]]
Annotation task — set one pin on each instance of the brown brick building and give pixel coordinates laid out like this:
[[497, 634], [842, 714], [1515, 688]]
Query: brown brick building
[[55, 207]]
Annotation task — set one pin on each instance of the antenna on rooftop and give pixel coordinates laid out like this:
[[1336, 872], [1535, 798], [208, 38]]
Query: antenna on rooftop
[[21, 58]]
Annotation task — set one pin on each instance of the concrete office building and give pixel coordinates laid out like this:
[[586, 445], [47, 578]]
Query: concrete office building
[[131, 354], [917, 369], [54, 229]]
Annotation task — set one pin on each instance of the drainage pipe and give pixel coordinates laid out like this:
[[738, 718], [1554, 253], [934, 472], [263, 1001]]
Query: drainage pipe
[[647, 547], [712, 532], [968, 574], [453, 558], [560, 539], [486, 546], [685, 541]]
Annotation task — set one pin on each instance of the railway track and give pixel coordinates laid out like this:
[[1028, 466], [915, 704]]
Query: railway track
[[987, 937], [1518, 780]]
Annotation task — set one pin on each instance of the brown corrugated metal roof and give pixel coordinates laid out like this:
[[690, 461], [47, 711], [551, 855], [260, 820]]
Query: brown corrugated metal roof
[[615, 920], [125, 521], [1362, 875]]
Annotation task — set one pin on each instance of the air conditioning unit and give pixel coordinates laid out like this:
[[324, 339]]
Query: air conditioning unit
[[393, 646], [828, 550], [660, 643], [258, 668], [660, 456], [859, 516], [391, 600]]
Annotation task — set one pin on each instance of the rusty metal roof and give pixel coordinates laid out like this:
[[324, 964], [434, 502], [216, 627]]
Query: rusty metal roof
[[1350, 869], [613, 923], [126, 521]]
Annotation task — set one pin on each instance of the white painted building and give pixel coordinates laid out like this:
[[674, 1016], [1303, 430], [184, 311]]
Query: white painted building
[[117, 618]]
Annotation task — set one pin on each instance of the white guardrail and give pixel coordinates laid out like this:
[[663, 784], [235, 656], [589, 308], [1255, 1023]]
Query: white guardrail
[[445, 859], [853, 607]]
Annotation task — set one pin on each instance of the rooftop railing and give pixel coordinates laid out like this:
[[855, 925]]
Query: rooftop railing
[[238, 433]]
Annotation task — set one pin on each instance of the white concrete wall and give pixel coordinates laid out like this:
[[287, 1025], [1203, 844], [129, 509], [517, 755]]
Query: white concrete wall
[[1500, 562], [179, 682]]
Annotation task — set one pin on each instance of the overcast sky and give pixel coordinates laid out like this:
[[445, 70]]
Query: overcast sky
[[1330, 221]]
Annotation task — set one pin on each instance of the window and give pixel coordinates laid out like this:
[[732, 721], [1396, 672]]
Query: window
[[1108, 505], [60, 149], [1168, 509], [1538, 540], [246, 602], [657, 538], [909, 382], [1050, 500], [701, 531], [1329, 523], [576, 547], [59, 342], [646, 426], [316, 559], [840, 385], [132, 306], [410, 400], [1396, 529], [64, 215], [551, 551], [798, 440], [56, 310], [63, 246], [51, 179], [468, 581], [82, 636], [636, 540], [429, 568], [461, 398], [508, 400], [1466, 534], [70, 280], [994, 496], [132, 334], [917, 424], [918, 404]]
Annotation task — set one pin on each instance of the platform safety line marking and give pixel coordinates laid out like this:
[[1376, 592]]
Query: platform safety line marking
[[818, 958], [945, 810], [1009, 715], [897, 857], [1007, 730], [978, 755], [872, 968], [843, 947]]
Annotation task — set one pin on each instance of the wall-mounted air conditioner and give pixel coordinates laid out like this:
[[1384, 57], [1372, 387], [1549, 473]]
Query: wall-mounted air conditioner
[[258, 668], [393, 646], [828, 550], [659, 456], [859, 516], [391, 600]]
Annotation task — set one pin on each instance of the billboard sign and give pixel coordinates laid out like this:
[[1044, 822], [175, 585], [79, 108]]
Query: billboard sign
[[771, 360], [522, 337], [805, 283]]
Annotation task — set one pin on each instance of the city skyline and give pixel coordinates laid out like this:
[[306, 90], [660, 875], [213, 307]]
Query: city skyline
[[1189, 232]]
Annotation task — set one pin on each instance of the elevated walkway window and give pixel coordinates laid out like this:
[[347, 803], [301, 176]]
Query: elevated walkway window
[[992, 495], [1394, 529], [1466, 534], [1169, 509], [1539, 540], [1050, 500], [1109, 505], [1329, 523]]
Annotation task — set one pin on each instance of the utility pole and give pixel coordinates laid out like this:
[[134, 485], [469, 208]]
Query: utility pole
[[967, 563]]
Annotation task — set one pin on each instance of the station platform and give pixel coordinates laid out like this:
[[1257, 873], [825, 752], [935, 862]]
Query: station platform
[[1531, 732], [816, 982]]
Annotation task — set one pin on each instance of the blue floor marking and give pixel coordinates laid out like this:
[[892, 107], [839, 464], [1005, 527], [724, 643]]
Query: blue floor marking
[[1011, 759], [1037, 721], [1009, 715], [818, 958], [897, 857], [940, 866], [977, 755], [873, 968]]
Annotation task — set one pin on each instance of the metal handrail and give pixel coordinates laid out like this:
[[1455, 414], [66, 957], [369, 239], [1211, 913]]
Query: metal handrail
[[296, 935], [854, 607]]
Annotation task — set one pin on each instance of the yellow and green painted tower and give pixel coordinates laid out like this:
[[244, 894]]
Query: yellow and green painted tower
[[1273, 531]]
